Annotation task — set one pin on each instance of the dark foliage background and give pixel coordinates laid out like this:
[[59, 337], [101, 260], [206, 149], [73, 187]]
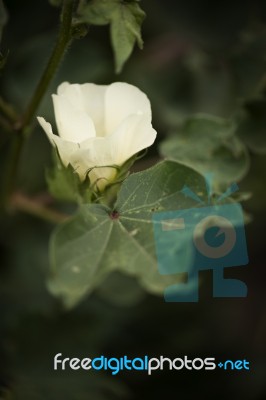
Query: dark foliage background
[[199, 56]]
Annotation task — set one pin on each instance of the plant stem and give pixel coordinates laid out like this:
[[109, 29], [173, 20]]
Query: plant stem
[[22, 124], [7, 110], [63, 41], [33, 207]]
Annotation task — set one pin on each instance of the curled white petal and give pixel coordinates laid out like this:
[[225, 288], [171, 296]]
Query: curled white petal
[[68, 151], [65, 148], [73, 123]]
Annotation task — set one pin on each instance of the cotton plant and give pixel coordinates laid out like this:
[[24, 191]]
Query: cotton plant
[[102, 129], [100, 132]]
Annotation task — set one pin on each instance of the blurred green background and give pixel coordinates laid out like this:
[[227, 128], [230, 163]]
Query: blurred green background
[[199, 56]]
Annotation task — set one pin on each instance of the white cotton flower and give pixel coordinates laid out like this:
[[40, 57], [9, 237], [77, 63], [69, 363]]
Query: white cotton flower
[[99, 126]]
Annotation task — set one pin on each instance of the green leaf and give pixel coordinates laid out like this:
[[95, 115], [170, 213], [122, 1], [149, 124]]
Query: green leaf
[[120, 290], [252, 125], [126, 31], [97, 12], [209, 144], [125, 19], [63, 183], [98, 240]]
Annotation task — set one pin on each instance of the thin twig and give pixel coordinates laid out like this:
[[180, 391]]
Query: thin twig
[[33, 206]]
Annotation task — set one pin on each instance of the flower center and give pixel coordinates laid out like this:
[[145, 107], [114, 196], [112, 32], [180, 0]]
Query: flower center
[[114, 214]]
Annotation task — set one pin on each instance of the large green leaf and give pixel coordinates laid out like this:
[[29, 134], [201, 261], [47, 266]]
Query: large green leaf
[[209, 144], [125, 19], [99, 240]]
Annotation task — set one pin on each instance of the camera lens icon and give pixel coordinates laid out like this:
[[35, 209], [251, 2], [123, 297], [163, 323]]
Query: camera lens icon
[[223, 227]]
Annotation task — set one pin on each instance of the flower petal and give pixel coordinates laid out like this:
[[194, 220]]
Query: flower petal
[[68, 151], [133, 135], [104, 153], [94, 104], [72, 93], [73, 123], [98, 155], [63, 87], [88, 98], [122, 100]]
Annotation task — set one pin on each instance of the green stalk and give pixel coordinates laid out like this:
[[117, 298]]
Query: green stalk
[[63, 41], [22, 124]]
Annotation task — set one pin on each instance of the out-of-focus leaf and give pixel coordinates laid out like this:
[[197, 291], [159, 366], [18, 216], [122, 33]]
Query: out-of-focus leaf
[[209, 144], [248, 65], [120, 290], [99, 240], [125, 19], [56, 3], [252, 125]]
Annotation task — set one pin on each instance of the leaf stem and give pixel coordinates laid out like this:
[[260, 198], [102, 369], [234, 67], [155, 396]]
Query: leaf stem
[[31, 206]]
